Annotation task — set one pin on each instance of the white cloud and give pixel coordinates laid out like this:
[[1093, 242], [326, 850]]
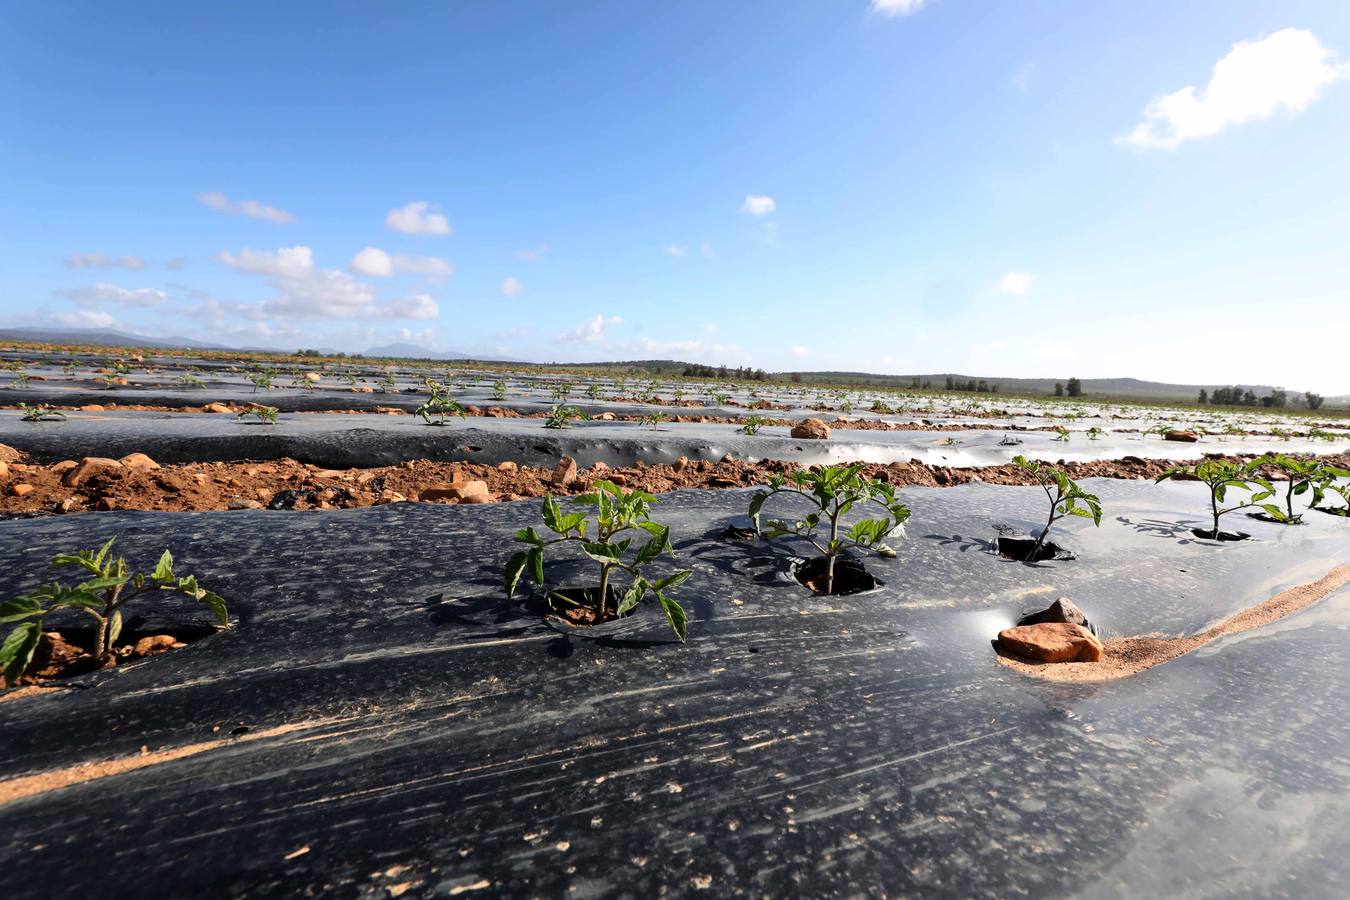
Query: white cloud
[[423, 338], [1284, 71], [679, 251], [893, 8], [707, 250], [415, 306], [511, 287], [758, 205], [710, 328], [377, 263], [534, 255], [799, 352], [589, 332], [84, 318], [418, 217], [372, 261], [288, 262], [431, 266], [250, 208], [1016, 283], [307, 292], [103, 261], [101, 294]]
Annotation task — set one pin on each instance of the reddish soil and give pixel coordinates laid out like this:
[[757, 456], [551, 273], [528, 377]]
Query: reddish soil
[[584, 615], [287, 484], [1130, 655], [67, 653]]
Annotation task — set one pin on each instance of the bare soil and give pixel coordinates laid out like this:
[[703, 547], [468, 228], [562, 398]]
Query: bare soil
[[1125, 656], [69, 652], [12, 789], [287, 484]]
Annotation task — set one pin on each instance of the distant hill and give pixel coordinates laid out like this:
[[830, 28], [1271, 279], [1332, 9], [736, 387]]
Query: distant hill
[[400, 350], [103, 337], [1130, 388], [1115, 388]]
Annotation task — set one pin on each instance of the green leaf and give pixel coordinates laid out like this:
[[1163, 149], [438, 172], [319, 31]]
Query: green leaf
[[601, 553], [679, 622], [114, 628], [632, 596], [103, 583], [217, 607], [671, 581], [17, 651], [20, 608], [535, 561], [164, 568], [529, 536], [552, 515], [514, 569]]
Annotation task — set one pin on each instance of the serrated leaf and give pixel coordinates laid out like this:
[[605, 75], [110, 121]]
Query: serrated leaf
[[535, 562], [17, 651], [632, 596], [679, 622], [217, 605], [164, 568], [20, 608], [515, 567]]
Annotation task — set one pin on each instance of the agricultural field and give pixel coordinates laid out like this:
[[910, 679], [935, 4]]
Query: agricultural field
[[362, 628]]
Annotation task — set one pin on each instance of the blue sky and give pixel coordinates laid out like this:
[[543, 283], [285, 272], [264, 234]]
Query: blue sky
[[901, 186]]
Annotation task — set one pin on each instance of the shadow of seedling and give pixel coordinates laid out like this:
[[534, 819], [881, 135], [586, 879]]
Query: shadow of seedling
[[963, 544], [734, 550], [1181, 532], [481, 612]]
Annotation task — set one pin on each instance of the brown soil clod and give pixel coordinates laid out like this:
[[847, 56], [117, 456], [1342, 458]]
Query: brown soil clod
[[287, 484], [1125, 656]]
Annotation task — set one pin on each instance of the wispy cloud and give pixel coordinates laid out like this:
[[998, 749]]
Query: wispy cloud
[[104, 294], [249, 208], [894, 8], [1016, 283], [589, 331], [103, 261], [534, 255], [679, 251], [511, 287]]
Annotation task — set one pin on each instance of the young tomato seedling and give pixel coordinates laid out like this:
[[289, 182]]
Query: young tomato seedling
[[41, 413], [834, 490], [1065, 496], [560, 413], [617, 512], [102, 597], [752, 424], [438, 409], [261, 415], [1302, 476], [1219, 475]]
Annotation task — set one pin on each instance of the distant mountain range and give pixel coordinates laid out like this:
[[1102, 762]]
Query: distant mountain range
[[1121, 388], [105, 337]]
